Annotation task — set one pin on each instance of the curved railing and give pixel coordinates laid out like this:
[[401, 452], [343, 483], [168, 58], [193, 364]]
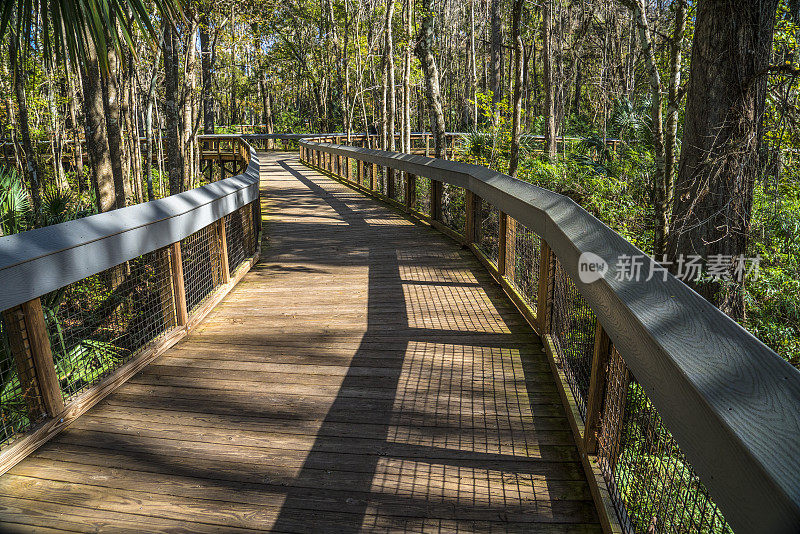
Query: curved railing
[[87, 303], [672, 403]]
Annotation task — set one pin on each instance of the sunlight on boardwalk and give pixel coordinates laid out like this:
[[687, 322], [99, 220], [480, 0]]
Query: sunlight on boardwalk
[[365, 376]]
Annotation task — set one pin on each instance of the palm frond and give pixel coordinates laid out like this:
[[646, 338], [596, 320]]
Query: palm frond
[[15, 204], [68, 28]]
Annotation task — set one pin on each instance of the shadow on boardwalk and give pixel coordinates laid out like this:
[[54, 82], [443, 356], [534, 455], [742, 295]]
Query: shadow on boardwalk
[[394, 476]]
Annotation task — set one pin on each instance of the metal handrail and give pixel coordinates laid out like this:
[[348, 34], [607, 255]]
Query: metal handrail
[[732, 403]]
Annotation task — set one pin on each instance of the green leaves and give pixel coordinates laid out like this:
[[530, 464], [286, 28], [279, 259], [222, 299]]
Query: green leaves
[[15, 204], [70, 28]]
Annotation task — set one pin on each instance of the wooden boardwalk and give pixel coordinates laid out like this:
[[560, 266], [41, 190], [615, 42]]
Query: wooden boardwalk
[[367, 375]]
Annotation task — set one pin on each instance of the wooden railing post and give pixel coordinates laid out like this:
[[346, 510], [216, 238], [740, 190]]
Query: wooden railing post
[[178, 287], [30, 346], [597, 388], [472, 208], [360, 172], [436, 200], [374, 178], [510, 258], [389, 182], [544, 298], [411, 191], [347, 168], [222, 243], [502, 235]]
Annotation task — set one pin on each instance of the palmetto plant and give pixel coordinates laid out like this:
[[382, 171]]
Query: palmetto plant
[[477, 144], [631, 120], [15, 204], [58, 205], [61, 205]]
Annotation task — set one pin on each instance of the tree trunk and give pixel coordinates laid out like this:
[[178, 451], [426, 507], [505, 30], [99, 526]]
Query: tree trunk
[[131, 116], [671, 133], [32, 173], [549, 85], [576, 99], [110, 91], [148, 127], [660, 187], [187, 101], [207, 66], [721, 140], [424, 51], [94, 126], [56, 136], [10, 113], [516, 129], [73, 114], [171, 111], [495, 63], [407, 78], [473, 71], [267, 106], [389, 61]]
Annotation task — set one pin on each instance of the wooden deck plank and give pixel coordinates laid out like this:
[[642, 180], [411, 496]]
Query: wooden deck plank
[[367, 375]]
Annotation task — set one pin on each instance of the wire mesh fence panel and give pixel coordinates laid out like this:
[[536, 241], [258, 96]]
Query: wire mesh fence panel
[[572, 328], [522, 260], [653, 487], [201, 265], [240, 236], [100, 322], [422, 202], [20, 402], [454, 210], [488, 229]]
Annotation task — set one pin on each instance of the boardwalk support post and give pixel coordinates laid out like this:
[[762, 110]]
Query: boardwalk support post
[[389, 174], [544, 298], [411, 191], [178, 287], [436, 200], [501, 243], [222, 244], [597, 388], [510, 258], [30, 345]]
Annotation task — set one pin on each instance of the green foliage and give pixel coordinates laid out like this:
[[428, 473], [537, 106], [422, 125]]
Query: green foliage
[[84, 362], [15, 204], [61, 205], [476, 145], [631, 120], [58, 205], [290, 121], [70, 27], [654, 479], [773, 308]]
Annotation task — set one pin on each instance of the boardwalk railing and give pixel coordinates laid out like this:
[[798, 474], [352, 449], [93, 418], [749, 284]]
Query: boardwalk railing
[[87, 303], [680, 415]]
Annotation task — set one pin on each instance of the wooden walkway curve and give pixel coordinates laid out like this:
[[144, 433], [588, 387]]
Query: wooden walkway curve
[[366, 375]]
